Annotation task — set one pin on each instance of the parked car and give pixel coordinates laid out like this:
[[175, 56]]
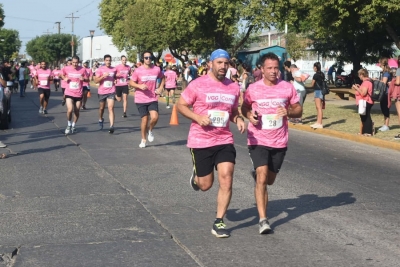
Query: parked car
[[5, 105]]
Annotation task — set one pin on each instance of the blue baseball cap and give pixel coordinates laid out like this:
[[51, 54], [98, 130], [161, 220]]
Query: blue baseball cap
[[219, 53]]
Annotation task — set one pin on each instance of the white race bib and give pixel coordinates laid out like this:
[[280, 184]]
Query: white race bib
[[43, 82], [74, 85], [218, 118], [108, 84], [122, 80], [271, 122]]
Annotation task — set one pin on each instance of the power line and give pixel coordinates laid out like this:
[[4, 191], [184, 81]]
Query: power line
[[86, 5], [44, 21]]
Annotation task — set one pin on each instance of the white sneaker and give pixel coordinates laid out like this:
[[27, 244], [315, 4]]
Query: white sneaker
[[384, 128], [40, 110], [168, 107], [2, 145], [68, 130], [150, 136], [31, 86], [142, 144]]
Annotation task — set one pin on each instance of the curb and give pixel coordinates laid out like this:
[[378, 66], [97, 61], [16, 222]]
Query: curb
[[355, 138]]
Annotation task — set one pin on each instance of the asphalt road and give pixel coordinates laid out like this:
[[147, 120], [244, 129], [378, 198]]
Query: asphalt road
[[95, 199]]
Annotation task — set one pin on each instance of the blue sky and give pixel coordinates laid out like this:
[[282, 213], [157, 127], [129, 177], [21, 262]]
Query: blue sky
[[36, 17]]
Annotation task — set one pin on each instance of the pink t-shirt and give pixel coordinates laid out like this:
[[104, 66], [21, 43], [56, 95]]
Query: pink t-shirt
[[32, 70], [75, 84], [56, 74], [106, 85], [122, 73], [210, 97], [89, 74], [368, 98], [43, 78], [148, 76], [170, 79], [271, 131]]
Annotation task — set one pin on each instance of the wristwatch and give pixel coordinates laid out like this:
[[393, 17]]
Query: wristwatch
[[239, 117]]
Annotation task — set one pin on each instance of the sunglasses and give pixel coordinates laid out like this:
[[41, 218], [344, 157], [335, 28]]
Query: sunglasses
[[147, 57]]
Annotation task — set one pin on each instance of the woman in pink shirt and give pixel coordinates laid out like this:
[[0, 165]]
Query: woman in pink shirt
[[170, 84], [363, 92]]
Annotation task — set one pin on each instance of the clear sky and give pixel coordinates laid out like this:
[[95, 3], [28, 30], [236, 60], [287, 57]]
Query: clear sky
[[36, 17]]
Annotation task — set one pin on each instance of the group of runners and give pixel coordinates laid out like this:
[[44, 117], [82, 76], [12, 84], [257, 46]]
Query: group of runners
[[211, 102]]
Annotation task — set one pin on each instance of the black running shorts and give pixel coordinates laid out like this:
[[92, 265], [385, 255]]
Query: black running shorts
[[75, 99], [144, 108], [124, 89], [46, 93], [271, 157], [206, 159]]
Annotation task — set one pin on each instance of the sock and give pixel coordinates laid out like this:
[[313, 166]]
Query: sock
[[218, 220], [73, 124], [262, 219], [69, 123], [167, 99]]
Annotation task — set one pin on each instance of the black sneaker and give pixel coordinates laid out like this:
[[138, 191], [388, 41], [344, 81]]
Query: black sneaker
[[219, 230], [264, 227], [111, 130], [192, 182], [397, 137], [63, 102], [124, 116], [101, 124]]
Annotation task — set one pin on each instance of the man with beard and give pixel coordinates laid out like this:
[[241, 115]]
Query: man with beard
[[214, 100]]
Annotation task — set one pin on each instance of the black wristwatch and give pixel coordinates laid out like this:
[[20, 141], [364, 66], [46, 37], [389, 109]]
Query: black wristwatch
[[239, 117]]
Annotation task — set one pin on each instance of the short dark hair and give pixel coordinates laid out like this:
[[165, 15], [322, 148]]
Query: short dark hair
[[145, 52], [107, 56], [266, 56], [123, 56], [287, 63], [75, 57]]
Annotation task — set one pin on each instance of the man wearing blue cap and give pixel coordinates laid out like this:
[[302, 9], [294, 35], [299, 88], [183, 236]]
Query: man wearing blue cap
[[214, 100]]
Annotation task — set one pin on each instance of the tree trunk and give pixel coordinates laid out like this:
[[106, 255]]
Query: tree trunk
[[244, 39], [392, 33]]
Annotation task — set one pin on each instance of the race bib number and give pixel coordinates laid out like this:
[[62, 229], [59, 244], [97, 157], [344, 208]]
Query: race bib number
[[218, 118], [108, 84], [44, 83], [122, 80], [271, 122], [74, 85]]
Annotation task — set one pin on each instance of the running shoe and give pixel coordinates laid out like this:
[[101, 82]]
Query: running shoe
[[101, 124], [150, 136], [63, 102], [84, 107], [45, 111], [384, 128], [168, 107], [31, 86], [111, 130], [142, 144], [264, 227], [219, 230], [192, 182], [73, 129], [68, 130], [40, 110], [124, 115], [317, 126], [397, 137]]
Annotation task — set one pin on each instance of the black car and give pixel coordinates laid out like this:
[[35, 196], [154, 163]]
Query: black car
[[5, 105]]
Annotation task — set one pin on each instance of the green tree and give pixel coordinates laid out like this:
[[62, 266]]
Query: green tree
[[296, 45], [9, 42], [1, 16], [52, 48]]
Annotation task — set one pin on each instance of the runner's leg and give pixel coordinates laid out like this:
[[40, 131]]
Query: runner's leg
[[111, 115], [225, 177]]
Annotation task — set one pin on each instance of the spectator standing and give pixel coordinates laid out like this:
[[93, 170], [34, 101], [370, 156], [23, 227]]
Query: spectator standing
[[330, 74], [287, 75], [316, 83], [363, 92], [386, 78], [21, 79]]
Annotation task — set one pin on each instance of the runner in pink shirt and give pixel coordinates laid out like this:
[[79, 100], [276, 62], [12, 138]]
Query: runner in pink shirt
[[122, 89], [74, 76], [105, 76], [56, 77], [32, 73], [170, 84], [144, 80], [267, 104], [86, 84], [214, 100], [42, 82], [64, 84]]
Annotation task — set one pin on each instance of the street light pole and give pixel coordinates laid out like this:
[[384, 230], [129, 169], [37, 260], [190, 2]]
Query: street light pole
[[91, 43]]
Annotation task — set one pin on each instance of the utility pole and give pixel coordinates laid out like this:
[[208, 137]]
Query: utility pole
[[48, 32], [72, 37], [59, 26]]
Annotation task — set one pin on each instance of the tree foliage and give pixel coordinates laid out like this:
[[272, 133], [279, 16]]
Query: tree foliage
[[9, 42], [296, 45], [1, 16], [52, 48]]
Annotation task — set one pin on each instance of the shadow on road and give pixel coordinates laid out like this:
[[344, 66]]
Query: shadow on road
[[294, 207]]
